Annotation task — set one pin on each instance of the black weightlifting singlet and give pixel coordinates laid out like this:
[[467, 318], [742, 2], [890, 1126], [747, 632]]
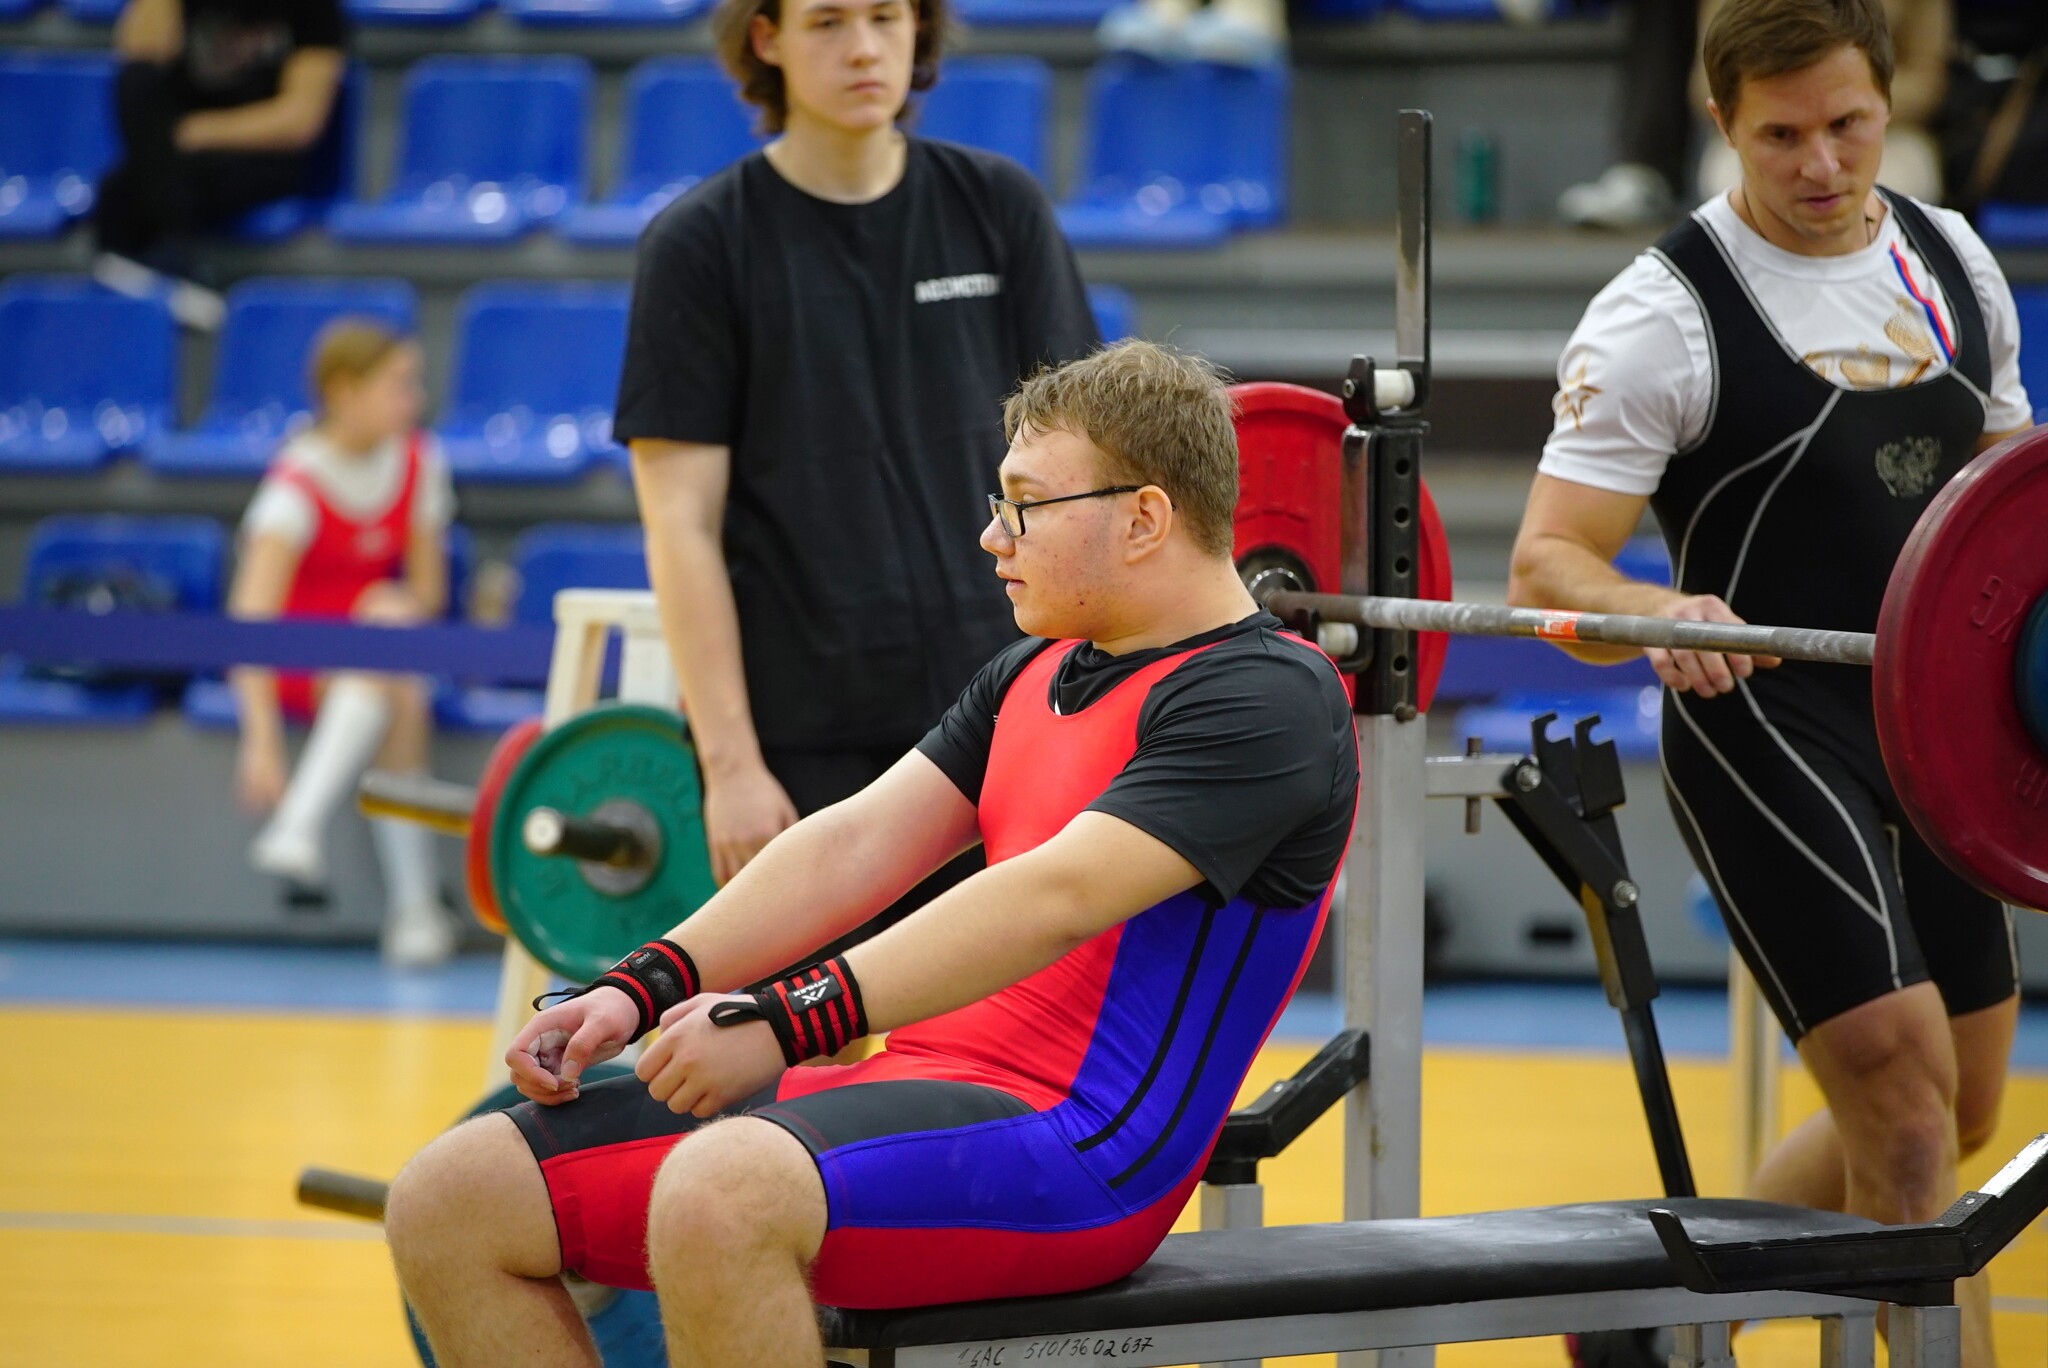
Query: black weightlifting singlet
[[1792, 507]]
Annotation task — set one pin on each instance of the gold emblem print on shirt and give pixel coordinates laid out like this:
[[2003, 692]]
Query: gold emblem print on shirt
[[1573, 398], [1867, 370], [1820, 363], [1907, 329]]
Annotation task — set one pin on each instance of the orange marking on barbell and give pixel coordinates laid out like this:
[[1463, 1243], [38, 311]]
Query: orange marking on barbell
[[1559, 627]]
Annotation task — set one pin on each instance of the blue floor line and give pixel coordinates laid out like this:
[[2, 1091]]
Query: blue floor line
[[1692, 1021]]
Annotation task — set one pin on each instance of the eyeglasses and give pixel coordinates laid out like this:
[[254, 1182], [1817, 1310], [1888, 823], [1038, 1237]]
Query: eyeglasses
[[1010, 512]]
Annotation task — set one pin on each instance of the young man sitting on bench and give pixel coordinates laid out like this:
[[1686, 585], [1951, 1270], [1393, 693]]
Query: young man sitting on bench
[[1163, 781]]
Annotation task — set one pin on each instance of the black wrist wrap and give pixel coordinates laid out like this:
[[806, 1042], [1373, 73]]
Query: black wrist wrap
[[815, 1011], [657, 976]]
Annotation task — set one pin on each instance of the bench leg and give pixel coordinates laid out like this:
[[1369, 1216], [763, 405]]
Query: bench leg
[[1926, 1336], [1702, 1346], [1848, 1341], [1233, 1206]]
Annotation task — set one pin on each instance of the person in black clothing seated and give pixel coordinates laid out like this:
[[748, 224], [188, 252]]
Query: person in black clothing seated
[[220, 103], [821, 338]]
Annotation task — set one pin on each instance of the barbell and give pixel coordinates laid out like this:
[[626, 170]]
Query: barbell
[[1959, 662], [580, 839]]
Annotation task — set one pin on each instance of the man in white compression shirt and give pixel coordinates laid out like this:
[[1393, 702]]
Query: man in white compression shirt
[[1788, 379]]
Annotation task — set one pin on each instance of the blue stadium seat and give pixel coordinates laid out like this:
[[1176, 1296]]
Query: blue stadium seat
[[177, 562], [330, 179], [56, 139], [1628, 718], [1180, 155], [2014, 225], [1000, 103], [421, 13], [493, 147], [537, 371], [92, 11], [84, 373], [683, 122], [18, 9], [1344, 11], [1034, 13], [545, 13], [1115, 312], [2033, 310], [259, 379], [548, 558], [1467, 11]]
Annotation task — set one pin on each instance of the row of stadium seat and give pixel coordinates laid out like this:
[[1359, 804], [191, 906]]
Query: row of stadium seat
[[86, 373], [545, 13], [492, 148], [181, 563]]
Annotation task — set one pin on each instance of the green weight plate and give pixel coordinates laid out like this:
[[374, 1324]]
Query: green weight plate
[[561, 913]]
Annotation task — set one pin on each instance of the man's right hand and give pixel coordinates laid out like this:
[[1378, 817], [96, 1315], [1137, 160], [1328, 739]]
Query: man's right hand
[[744, 810], [1706, 673], [549, 1056]]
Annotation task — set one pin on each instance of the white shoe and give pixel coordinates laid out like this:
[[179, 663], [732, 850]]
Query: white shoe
[[419, 938], [194, 306], [1150, 28], [1627, 195], [1247, 33], [289, 857]]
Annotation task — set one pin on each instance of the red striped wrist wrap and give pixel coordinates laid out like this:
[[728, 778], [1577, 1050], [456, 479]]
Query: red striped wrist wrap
[[657, 976], [815, 1011]]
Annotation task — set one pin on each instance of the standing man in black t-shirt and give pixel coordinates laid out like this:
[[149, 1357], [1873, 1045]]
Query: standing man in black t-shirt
[[821, 338], [220, 103]]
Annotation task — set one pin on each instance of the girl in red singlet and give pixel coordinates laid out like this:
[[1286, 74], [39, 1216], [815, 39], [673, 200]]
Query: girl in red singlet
[[350, 522]]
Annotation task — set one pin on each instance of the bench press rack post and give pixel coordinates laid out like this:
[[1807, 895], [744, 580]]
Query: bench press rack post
[[584, 622]]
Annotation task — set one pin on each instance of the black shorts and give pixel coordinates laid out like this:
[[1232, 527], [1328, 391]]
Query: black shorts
[[1829, 894]]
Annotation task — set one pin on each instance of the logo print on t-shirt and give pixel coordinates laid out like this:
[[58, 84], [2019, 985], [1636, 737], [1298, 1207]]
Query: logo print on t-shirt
[[1907, 467], [1574, 396], [942, 288]]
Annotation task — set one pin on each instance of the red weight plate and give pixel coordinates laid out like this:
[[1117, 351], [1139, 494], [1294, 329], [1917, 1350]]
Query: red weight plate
[[1958, 751], [505, 757], [1290, 486]]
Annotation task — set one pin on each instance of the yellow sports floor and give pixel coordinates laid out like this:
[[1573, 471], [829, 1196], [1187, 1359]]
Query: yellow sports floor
[[147, 1163]]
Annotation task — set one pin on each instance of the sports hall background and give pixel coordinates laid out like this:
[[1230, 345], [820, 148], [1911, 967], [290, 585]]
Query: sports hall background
[[182, 1043]]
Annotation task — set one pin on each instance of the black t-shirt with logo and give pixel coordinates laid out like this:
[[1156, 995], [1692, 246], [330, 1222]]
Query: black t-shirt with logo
[[235, 50], [854, 357]]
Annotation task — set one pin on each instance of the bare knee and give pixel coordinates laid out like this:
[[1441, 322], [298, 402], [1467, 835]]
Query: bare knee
[[1889, 1072], [474, 1194], [732, 1192]]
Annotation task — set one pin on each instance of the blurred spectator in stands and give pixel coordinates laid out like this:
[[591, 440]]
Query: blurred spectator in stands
[[1922, 36], [350, 522], [1656, 124], [218, 103], [1232, 32], [1994, 123]]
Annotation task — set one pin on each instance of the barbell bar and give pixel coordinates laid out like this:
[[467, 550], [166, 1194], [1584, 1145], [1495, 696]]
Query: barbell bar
[[1617, 629], [447, 807]]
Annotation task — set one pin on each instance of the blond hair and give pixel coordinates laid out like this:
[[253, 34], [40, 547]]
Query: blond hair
[[349, 348], [1158, 416]]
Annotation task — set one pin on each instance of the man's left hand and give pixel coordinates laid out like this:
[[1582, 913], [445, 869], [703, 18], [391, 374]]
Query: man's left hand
[[703, 1069]]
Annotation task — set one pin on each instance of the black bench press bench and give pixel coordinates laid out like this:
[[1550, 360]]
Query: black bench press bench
[[1698, 1264]]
